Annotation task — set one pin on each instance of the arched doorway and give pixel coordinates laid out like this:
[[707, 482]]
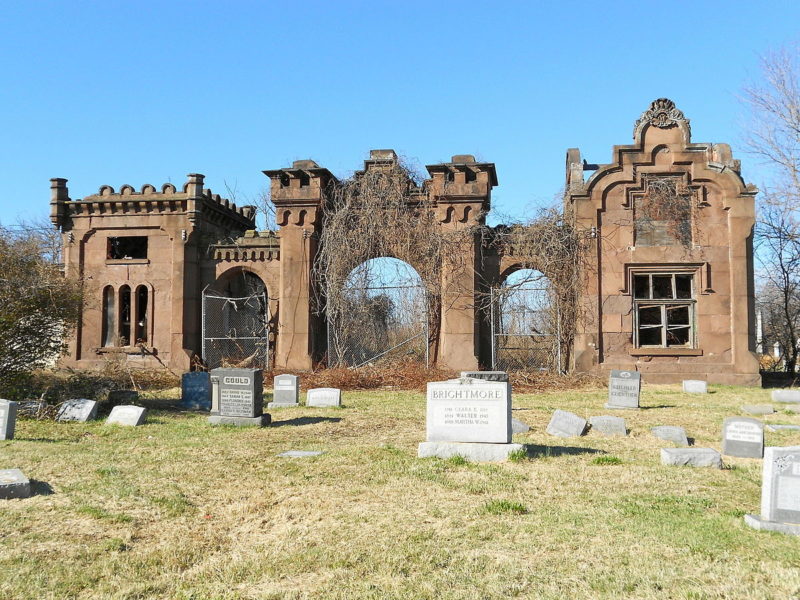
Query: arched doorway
[[236, 322], [381, 314], [525, 323]]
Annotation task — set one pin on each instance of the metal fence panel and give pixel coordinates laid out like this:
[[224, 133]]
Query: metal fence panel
[[235, 331]]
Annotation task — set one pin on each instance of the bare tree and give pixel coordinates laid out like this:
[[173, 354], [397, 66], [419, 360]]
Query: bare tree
[[773, 134]]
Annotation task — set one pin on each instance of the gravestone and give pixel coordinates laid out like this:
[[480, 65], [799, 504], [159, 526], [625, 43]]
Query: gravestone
[[566, 424], [196, 391], [241, 397], [691, 457], [518, 426], [13, 484], [606, 425], [671, 433], [285, 391], [470, 418], [300, 453], [624, 388], [743, 437], [80, 410], [8, 419], [758, 409], [486, 375], [780, 491], [695, 386], [131, 416], [788, 396], [775, 428], [323, 397]]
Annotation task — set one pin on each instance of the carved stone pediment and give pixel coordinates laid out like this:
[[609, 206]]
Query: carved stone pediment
[[662, 114]]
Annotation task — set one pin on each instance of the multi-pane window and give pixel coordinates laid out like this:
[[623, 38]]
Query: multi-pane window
[[664, 310], [126, 316]]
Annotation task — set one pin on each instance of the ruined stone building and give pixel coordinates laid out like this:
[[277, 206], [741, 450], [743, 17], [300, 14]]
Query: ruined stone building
[[667, 285]]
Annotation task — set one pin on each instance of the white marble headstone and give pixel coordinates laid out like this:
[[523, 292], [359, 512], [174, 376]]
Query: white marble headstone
[[127, 415], [469, 410], [322, 397]]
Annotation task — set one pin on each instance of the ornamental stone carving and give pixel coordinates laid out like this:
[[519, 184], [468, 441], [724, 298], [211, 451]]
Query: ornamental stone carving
[[662, 114]]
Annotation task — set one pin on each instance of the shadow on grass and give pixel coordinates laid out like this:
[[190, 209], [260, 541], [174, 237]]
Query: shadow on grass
[[306, 421], [535, 451], [659, 406], [40, 488]]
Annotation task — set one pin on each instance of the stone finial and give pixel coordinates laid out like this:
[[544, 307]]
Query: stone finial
[[58, 190], [662, 114], [194, 187]]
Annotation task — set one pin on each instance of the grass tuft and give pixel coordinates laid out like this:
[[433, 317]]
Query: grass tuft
[[504, 507], [606, 459]]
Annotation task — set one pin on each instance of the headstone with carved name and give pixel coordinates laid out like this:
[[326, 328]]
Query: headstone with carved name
[[241, 397], [780, 491], [285, 391], [324, 397], [624, 388], [743, 436], [80, 410], [470, 418], [8, 419]]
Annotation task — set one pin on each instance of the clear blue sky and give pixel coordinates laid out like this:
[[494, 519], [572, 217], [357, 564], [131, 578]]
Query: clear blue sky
[[146, 92]]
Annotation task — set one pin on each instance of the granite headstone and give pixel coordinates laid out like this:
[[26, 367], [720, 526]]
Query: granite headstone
[[196, 390], [566, 424], [14, 484], [691, 457], [671, 433], [80, 410], [8, 419], [127, 415], [743, 437], [324, 397], [241, 398], [780, 491], [624, 388], [695, 386], [607, 425], [758, 409], [286, 391], [787, 396]]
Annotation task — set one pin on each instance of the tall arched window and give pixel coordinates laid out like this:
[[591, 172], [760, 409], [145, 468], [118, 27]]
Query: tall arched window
[[109, 332], [125, 315], [141, 314]]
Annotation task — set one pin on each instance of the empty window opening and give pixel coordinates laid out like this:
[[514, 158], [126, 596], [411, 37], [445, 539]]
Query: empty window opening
[[122, 248], [141, 314], [108, 316], [664, 310], [124, 315]]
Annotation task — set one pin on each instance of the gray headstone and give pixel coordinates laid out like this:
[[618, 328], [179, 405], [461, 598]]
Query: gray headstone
[[241, 392], [122, 397], [566, 424], [743, 436], [518, 426], [13, 484], [80, 409], [322, 397], [758, 409], [623, 389], [30, 408], [691, 457], [127, 415], [671, 433], [695, 386], [196, 391], [8, 419], [300, 453], [780, 487], [774, 428], [286, 391], [606, 425], [469, 410], [789, 396], [486, 375]]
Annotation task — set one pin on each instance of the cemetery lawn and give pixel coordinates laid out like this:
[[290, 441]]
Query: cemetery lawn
[[179, 509]]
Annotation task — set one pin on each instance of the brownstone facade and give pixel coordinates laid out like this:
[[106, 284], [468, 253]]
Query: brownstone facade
[[668, 287]]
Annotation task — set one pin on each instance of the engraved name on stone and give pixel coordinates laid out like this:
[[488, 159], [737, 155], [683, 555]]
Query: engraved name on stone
[[474, 411], [236, 401]]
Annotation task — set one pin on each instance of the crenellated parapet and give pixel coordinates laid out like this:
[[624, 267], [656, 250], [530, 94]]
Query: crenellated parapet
[[462, 189], [192, 200], [252, 246], [299, 191]]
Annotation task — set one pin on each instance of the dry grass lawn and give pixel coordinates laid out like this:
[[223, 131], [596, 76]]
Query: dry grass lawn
[[178, 509]]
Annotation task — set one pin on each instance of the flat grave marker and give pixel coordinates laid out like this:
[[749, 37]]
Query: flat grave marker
[[131, 416], [80, 409], [671, 433], [624, 388], [758, 409], [743, 437], [691, 457], [324, 397], [786, 396], [780, 491], [566, 424], [695, 386], [285, 391], [607, 425], [8, 419]]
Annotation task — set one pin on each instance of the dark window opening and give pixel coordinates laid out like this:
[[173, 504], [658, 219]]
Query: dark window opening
[[141, 314], [124, 315], [108, 316], [664, 318], [471, 176], [121, 248]]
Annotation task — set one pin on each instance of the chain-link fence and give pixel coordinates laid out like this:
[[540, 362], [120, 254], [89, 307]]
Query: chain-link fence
[[525, 329], [379, 324], [235, 331]]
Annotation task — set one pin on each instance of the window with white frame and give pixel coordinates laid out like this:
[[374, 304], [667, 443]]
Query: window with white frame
[[663, 306]]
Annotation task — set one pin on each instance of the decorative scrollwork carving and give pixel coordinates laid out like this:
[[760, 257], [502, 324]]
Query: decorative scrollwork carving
[[662, 114]]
